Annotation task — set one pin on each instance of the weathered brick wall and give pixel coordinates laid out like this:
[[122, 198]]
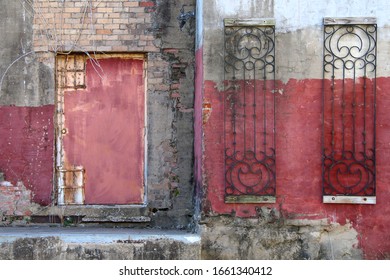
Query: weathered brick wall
[[113, 26], [14, 200], [101, 26]]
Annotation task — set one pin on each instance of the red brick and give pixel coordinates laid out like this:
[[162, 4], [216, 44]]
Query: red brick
[[170, 51], [146, 4], [104, 31], [175, 86]]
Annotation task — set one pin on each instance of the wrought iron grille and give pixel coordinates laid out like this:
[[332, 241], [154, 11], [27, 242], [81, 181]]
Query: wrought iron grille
[[349, 116], [249, 111]]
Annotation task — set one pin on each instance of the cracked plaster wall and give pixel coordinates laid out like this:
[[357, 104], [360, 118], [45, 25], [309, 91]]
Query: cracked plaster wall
[[305, 228]]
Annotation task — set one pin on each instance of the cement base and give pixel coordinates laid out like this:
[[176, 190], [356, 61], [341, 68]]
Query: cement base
[[44, 243]]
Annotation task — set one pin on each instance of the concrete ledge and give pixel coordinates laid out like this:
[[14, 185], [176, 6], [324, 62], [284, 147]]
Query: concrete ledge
[[97, 243]]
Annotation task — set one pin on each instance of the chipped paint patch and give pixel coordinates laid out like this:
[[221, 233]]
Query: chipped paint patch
[[206, 111]]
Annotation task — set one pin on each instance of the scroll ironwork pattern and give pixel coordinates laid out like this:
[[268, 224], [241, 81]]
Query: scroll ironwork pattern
[[249, 110], [349, 116]]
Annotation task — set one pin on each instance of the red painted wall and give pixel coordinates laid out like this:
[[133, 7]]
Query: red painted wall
[[298, 163], [26, 148]]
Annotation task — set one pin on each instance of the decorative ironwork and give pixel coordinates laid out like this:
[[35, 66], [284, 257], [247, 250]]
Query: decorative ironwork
[[249, 111], [349, 116]]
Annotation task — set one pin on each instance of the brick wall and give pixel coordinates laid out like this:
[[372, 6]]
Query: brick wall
[[114, 26], [14, 200], [101, 26]]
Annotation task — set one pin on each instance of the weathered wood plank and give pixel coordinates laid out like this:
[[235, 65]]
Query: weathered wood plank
[[349, 199], [249, 199], [349, 20], [249, 22]]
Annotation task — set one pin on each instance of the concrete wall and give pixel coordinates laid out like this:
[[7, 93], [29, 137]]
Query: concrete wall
[[298, 225], [96, 244], [26, 105], [33, 35]]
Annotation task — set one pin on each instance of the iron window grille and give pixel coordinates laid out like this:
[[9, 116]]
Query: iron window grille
[[349, 110], [249, 110]]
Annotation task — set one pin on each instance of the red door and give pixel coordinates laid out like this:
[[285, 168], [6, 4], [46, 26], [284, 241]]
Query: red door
[[104, 130]]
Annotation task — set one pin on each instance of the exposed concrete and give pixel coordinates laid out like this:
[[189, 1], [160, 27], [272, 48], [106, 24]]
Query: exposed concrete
[[170, 110], [26, 80], [299, 32], [96, 244], [213, 14], [271, 237], [295, 15]]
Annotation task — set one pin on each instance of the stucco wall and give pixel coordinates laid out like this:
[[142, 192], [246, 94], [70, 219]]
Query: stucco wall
[[299, 49], [26, 105]]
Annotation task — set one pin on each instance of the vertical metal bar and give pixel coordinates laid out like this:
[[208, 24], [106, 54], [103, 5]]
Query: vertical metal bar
[[343, 105], [274, 106], [374, 108], [225, 94], [254, 109], [244, 105], [333, 112], [364, 110], [323, 108], [274, 90], [354, 110], [265, 109], [234, 115]]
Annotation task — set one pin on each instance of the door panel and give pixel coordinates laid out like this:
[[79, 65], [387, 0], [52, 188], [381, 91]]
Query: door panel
[[104, 131]]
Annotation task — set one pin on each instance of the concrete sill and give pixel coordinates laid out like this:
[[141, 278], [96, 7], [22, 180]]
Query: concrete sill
[[95, 235], [92, 243], [97, 213]]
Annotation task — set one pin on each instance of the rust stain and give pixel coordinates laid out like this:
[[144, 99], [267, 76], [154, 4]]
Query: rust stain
[[206, 111], [73, 180]]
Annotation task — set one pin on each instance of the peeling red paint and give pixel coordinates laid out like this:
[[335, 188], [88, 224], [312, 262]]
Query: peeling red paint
[[206, 111], [26, 148], [147, 4], [298, 163]]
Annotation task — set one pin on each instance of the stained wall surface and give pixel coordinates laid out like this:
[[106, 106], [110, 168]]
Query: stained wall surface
[[299, 80], [34, 33], [185, 145]]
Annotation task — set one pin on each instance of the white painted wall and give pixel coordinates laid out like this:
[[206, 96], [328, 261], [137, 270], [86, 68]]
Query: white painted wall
[[292, 15], [299, 31]]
